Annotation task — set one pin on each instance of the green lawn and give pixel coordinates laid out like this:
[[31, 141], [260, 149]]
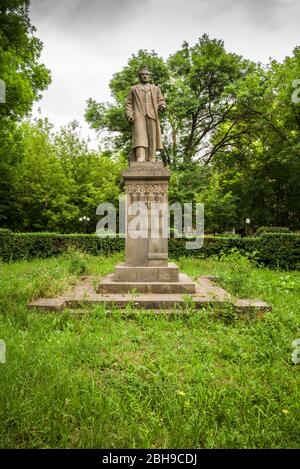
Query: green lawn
[[97, 380]]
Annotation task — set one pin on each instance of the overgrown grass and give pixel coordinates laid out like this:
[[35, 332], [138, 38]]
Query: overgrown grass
[[144, 380]]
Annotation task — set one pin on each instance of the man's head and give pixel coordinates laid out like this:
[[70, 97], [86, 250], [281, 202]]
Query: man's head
[[144, 75]]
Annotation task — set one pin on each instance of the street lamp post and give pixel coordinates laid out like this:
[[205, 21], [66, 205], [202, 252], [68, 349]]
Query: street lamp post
[[84, 220], [247, 227]]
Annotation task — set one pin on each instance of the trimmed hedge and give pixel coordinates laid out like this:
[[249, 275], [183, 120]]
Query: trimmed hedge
[[272, 229], [15, 246], [213, 245], [280, 250]]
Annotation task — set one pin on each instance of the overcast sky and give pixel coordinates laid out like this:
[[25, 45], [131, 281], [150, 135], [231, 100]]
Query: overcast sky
[[86, 41]]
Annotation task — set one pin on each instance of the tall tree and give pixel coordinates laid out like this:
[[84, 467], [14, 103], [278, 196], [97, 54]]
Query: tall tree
[[42, 192], [95, 175], [24, 77], [194, 81], [202, 101], [263, 165], [59, 180]]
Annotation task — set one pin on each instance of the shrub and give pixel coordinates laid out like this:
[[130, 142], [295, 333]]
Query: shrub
[[5, 243], [272, 229], [77, 261], [213, 245], [280, 250], [239, 272], [32, 245]]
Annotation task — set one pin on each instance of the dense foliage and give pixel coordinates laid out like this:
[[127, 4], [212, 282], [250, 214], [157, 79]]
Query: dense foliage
[[59, 181], [231, 131], [24, 78], [231, 137], [275, 250]]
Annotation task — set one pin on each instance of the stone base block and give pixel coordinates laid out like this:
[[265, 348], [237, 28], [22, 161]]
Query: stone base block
[[124, 273], [208, 294], [183, 285]]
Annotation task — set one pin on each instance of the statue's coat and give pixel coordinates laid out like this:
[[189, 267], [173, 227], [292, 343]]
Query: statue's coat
[[136, 109]]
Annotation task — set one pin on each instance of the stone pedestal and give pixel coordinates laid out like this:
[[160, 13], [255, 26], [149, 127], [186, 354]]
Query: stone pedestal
[[146, 186], [146, 267], [127, 273]]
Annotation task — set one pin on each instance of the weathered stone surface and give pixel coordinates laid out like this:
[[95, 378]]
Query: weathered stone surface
[[251, 305], [207, 294], [206, 285], [183, 285], [124, 273], [48, 304], [146, 171], [146, 186], [136, 251]]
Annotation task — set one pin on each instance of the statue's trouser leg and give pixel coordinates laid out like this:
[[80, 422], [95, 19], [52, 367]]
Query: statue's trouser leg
[[140, 153], [151, 131]]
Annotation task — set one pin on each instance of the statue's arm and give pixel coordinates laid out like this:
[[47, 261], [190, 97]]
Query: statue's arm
[[160, 100], [129, 106]]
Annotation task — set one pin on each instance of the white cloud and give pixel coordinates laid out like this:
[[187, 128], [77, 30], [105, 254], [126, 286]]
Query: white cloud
[[85, 42]]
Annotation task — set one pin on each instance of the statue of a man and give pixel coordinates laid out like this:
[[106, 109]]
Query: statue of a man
[[143, 104]]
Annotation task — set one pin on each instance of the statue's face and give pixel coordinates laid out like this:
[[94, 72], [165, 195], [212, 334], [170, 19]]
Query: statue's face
[[144, 76]]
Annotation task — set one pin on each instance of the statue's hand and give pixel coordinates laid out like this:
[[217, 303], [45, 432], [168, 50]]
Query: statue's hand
[[130, 119], [162, 107]]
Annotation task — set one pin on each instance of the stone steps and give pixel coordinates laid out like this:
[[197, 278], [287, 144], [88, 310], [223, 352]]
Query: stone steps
[[183, 285], [207, 295]]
